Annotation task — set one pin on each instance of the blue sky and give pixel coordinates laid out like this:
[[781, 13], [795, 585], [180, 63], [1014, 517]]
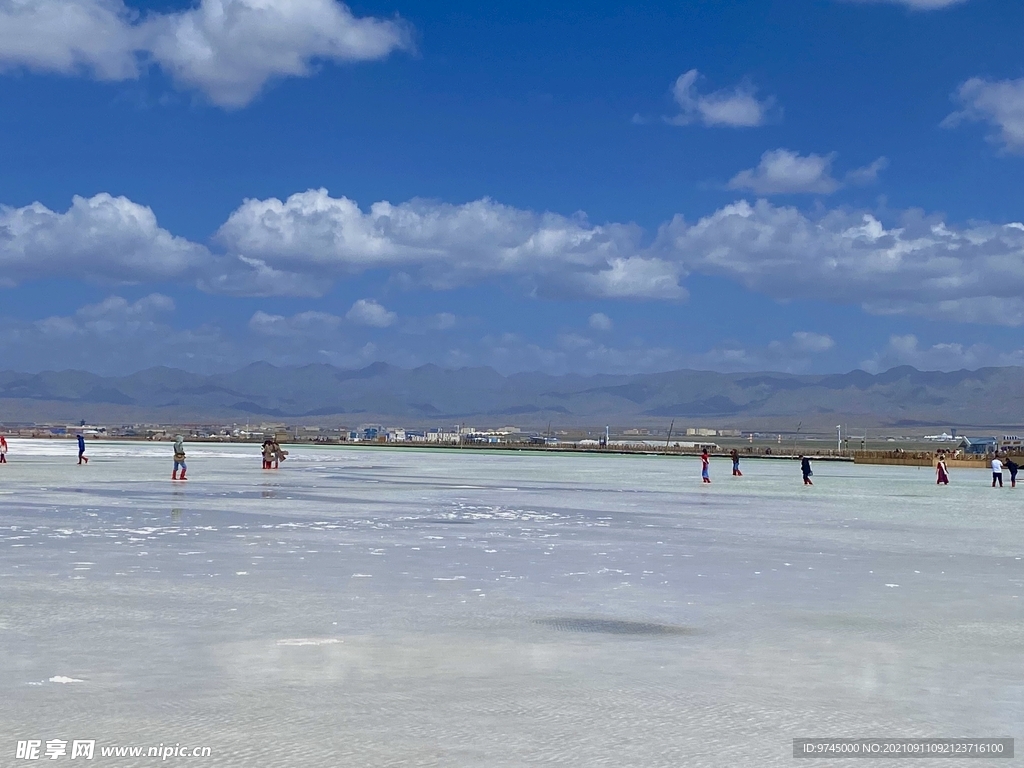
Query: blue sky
[[799, 185]]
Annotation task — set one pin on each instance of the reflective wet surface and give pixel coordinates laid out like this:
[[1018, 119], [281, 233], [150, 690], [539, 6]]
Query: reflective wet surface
[[442, 608]]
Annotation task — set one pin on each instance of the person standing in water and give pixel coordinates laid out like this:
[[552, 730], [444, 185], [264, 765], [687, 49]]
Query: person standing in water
[[941, 473], [179, 458], [268, 453], [736, 463], [279, 454], [1013, 466], [705, 465], [3, 449], [805, 469], [82, 458], [997, 472]]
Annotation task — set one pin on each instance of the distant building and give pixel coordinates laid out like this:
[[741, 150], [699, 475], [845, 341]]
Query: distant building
[[979, 446]]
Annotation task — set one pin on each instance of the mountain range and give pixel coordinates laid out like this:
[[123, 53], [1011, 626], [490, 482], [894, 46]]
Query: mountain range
[[435, 396]]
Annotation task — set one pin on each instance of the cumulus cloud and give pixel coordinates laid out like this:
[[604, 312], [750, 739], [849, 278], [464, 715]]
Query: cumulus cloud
[[736, 107], [102, 238], [599, 321], [920, 266], [228, 49], [944, 356], [911, 263], [790, 355], [440, 245], [784, 172], [302, 324], [442, 321], [113, 315], [369, 312], [867, 174], [67, 36], [571, 353], [999, 103], [115, 335]]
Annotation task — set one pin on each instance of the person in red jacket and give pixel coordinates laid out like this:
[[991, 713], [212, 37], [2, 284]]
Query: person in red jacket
[[705, 464]]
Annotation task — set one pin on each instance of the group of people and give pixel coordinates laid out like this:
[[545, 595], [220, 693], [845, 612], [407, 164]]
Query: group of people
[[705, 466], [273, 455], [997, 464]]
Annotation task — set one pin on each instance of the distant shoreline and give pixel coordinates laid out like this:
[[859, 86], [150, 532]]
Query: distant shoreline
[[618, 450]]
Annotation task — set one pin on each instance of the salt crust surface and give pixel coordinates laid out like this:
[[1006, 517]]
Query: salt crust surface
[[443, 608]]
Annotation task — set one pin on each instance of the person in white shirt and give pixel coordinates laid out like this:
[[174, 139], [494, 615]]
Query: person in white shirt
[[997, 472]]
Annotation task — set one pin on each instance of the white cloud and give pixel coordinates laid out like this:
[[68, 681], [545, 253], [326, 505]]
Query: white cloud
[[944, 356], [807, 341], [69, 35], [868, 174], [999, 103], [442, 321], [113, 336], [633, 278], [101, 238], [114, 315], [228, 49], [782, 171], [303, 324], [912, 264], [790, 355], [572, 353], [737, 107], [600, 322], [443, 246], [922, 266], [369, 312]]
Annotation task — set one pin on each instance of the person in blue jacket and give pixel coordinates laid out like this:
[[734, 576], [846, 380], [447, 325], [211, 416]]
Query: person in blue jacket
[[805, 470], [82, 458]]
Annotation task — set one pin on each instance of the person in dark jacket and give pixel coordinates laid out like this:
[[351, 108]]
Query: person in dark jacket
[[736, 463], [805, 469], [1013, 466], [82, 458]]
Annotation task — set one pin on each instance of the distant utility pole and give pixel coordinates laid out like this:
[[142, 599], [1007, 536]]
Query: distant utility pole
[[669, 438], [839, 438]]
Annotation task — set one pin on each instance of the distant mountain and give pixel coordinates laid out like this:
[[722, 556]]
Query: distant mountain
[[430, 395]]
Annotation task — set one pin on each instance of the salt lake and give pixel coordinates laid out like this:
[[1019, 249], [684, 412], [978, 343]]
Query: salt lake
[[394, 607]]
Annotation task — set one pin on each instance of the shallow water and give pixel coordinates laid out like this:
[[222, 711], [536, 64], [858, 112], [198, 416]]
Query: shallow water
[[376, 607]]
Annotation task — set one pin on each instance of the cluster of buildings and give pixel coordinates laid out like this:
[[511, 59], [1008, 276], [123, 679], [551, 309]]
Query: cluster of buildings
[[377, 433]]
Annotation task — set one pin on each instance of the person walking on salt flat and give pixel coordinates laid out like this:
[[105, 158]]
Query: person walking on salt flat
[[179, 458], [805, 470]]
